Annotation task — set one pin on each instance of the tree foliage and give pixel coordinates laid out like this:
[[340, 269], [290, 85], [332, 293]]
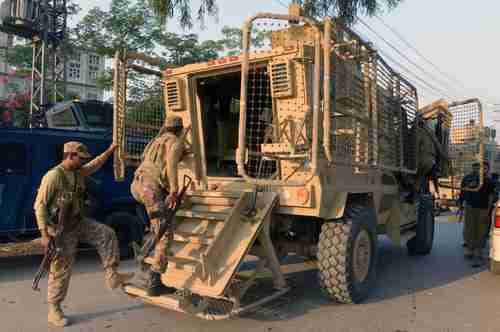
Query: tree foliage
[[20, 56], [124, 25], [182, 10], [348, 10]]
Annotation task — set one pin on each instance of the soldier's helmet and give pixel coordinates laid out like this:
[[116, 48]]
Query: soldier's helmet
[[173, 121], [77, 147]]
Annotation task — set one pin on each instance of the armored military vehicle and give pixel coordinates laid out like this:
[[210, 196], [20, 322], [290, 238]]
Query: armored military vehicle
[[314, 147]]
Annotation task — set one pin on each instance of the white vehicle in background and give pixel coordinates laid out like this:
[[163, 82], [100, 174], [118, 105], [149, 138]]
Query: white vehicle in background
[[495, 239]]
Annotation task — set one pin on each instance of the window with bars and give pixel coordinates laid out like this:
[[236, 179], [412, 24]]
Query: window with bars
[[94, 60], [74, 71], [93, 71]]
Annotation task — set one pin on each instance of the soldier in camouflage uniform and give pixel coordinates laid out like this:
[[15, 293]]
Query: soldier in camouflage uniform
[[156, 185], [68, 178]]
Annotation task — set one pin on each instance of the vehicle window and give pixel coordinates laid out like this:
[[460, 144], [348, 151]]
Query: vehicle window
[[13, 158], [97, 114], [64, 119]]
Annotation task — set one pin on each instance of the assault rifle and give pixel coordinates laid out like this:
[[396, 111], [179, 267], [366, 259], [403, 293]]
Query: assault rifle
[[54, 247], [167, 224]]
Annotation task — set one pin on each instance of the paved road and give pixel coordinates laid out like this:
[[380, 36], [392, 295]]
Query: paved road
[[440, 292]]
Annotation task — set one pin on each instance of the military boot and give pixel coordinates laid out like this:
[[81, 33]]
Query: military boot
[[56, 316], [155, 287], [115, 279]]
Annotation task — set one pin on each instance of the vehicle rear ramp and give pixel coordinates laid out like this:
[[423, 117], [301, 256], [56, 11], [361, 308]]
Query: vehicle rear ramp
[[214, 233]]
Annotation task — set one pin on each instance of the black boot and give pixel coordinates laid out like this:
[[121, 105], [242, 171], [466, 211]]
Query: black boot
[[156, 287]]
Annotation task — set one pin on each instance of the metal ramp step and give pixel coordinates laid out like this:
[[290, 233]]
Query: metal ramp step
[[215, 216], [205, 256], [215, 260]]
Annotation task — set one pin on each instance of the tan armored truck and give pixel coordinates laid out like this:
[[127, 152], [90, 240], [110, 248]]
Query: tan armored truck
[[312, 147]]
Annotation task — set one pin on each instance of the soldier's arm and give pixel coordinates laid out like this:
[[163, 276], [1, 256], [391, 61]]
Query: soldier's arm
[[44, 197], [174, 155], [96, 164]]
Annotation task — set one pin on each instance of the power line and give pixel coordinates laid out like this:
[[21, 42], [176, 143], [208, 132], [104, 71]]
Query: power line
[[412, 76], [439, 70], [405, 56], [281, 3], [400, 37]]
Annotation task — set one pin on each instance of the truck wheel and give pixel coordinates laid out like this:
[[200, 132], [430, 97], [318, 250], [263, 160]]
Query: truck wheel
[[347, 252], [422, 243], [127, 228]]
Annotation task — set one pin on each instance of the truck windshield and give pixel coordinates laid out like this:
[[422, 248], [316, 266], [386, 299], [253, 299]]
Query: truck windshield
[[97, 114]]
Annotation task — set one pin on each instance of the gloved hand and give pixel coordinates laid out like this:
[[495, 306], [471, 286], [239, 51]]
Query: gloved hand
[[171, 200]]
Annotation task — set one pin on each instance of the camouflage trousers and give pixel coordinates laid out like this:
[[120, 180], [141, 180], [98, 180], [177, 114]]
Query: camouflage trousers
[[148, 192], [88, 231], [475, 227]]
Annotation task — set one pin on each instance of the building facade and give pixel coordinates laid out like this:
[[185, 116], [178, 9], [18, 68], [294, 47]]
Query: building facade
[[83, 68]]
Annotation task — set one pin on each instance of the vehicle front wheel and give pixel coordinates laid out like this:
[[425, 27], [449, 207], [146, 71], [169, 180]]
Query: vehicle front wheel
[[347, 252]]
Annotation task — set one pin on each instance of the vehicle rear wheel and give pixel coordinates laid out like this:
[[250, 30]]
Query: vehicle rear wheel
[[128, 229], [423, 241], [347, 252]]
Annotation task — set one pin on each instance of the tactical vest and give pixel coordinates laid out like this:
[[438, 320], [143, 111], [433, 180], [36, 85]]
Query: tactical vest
[[76, 193], [154, 159]]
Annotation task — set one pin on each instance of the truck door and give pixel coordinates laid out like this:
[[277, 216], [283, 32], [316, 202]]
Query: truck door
[[14, 174]]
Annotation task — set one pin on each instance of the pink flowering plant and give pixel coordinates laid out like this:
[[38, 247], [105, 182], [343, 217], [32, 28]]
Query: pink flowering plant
[[18, 97]]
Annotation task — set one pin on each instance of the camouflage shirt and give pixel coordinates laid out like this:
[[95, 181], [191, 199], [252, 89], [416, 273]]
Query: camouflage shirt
[[160, 161], [53, 185]]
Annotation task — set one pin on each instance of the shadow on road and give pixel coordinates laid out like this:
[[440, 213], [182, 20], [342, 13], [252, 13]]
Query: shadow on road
[[397, 275], [90, 316], [15, 269]]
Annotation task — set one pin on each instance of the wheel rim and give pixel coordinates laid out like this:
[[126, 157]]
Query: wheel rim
[[362, 255]]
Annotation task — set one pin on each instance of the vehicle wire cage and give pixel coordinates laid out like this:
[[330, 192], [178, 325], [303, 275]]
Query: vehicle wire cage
[[466, 142], [373, 123], [277, 124], [265, 83], [139, 110]]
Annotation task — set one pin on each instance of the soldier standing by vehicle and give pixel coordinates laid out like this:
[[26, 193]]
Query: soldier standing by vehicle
[[477, 204], [68, 180], [156, 179]]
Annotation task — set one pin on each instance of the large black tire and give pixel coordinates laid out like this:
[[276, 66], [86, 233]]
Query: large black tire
[[128, 228], [347, 252], [423, 241]]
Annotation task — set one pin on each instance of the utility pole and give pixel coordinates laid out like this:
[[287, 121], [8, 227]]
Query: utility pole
[[44, 22]]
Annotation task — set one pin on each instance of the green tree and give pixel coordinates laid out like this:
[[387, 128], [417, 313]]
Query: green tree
[[348, 10], [232, 39], [345, 9], [182, 10], [20, 56], [124, 25], [178, 49]]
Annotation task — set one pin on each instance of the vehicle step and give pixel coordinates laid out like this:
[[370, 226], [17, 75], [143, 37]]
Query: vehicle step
[[202, 215], [193, 238], [226, 194], [168, 300], [219, 201], [176, 260], [211, 208]]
